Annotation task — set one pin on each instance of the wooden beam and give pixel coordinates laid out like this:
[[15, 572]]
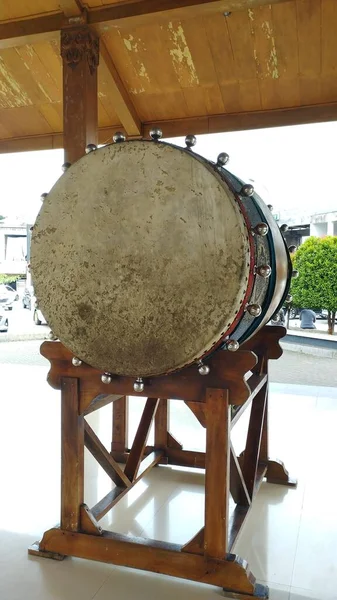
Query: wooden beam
[[142, 434], [100, 453], [298, 115], [156, 556], [144, 11], [49, 141], [320, 113], [28, 31], [108, 502], [80, 57], [122, 103]]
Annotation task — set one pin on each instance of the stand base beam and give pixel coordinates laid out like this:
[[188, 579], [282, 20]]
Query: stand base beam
[[230, 573]]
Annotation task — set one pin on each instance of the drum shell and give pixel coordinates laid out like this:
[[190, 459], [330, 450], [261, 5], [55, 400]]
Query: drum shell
[[241, 327]]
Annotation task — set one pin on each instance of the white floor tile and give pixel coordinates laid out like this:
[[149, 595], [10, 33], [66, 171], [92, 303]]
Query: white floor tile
[[308, 594], [289, 539], [126, 584]]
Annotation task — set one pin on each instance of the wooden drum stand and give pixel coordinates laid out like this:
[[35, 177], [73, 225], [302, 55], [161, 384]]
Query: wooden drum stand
[[217, 400]]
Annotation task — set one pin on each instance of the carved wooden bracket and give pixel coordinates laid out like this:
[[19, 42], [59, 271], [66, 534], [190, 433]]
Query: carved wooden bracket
[[80, 43]]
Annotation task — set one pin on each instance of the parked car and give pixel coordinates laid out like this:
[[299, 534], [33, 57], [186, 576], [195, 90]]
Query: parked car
[[29, 301], [3, 320], [27, 297], [7, 296]]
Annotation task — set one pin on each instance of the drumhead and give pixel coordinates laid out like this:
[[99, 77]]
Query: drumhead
[[140, 258]]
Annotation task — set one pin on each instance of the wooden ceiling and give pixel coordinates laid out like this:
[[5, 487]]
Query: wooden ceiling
[[193, 66]]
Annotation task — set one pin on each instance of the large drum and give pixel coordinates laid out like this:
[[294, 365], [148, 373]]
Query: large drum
[[146, 258]]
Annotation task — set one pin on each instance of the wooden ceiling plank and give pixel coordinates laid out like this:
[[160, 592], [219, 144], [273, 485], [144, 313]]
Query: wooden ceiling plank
[[19, 80], [285, 30], [49, 55], [123, 106], [249, 95], [309, 37], [103, 117], [149, 105], [206, 88], [241, 36], [329, 19], [71, 8], [223, 60], [287, 86], [195, 101], [40, 72], [265, 56], [53, 115], [26, 121]]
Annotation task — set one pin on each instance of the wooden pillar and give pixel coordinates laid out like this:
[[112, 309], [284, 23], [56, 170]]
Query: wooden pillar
[[80, 55]]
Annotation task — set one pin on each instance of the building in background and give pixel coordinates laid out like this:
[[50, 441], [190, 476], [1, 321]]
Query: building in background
[[301, 225], [13, 250], [322, 224]]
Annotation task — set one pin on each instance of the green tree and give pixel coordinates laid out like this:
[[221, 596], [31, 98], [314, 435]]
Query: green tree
[[316, 285], [9, 278]]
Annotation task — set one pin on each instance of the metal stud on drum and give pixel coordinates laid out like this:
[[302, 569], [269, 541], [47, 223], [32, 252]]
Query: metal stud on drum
[[223, 159], [190, 141], [119, 137], [106, 378], [76, 361], [156, 134], [203, 369], [138, 385], [90, 148]]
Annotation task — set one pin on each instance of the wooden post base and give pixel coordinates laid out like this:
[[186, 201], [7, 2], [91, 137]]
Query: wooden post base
[[230, 573], [35, 550], [217, 400], [277, 473]]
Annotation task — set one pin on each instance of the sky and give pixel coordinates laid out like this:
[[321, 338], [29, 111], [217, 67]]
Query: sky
[[293, 168]]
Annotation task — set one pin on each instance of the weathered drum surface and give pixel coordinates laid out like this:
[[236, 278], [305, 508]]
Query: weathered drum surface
[[140, 258]]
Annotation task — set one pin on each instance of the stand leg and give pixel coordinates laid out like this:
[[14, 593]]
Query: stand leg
[[72, 456], [217, 473], [276, 471], [72, 465]]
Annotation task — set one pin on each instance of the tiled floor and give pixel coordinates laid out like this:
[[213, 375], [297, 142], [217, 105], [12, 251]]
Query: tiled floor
[[289, 540]]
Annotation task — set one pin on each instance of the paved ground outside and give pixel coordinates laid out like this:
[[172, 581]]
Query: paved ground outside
[[303, 369], [292, 367], [22, 326]]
